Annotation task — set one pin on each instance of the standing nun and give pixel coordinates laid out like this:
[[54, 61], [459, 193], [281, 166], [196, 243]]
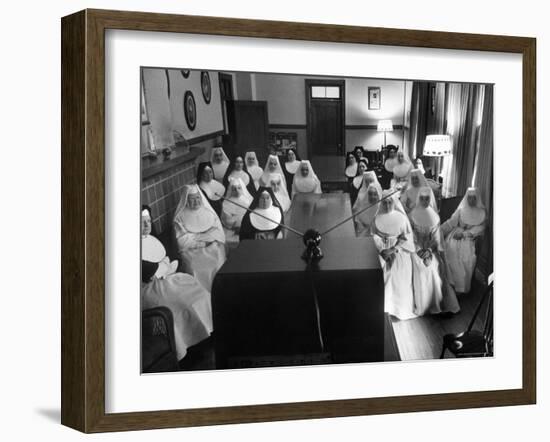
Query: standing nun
[[389, 164], [279, 190], [305, 180], [401, 171], [220, 163], [237, 170], [264, 217], [393, 238], [432, 292], [253, 167], [161, 285], [212, 189], [272, 165], [366, 210], [357, 181], [409, 195], [461, 231], [292, 163], [200, 236], [237, 198]]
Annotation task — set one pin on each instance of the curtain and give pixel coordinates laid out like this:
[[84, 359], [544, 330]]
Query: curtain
[[483, 179], [463, 107], [418, 119]]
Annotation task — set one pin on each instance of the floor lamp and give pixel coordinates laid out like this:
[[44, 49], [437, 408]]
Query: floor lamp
[[437, 146], [385, 126]]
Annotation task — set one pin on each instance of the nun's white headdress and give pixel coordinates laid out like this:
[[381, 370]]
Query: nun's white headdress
[[424, 216], [401, 170], [199, 220], [266, 219], [267, 171], [411, 191], [367, 215], [243, 199], [472, 215], [214, 189], [252, 165], [395, 222], [221, 167], [306, 184], [275, 179]]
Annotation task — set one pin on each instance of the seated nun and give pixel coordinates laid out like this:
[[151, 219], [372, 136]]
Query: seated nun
[[305, 180], [253, 168], [359, 152], [401, 171], [351, 168], [213, 190], [432, 292], [161, 285], [220, 163], [279, 190], [272, 165], [237, 170], [389, 164], [237, 200], [409, 195], [393, 238], [264, 218], [461, 231], [357, 181], [292, 163], [365, 210], [200, 236]]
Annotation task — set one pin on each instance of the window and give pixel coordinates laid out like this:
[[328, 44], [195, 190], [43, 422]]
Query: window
[[325, 92]]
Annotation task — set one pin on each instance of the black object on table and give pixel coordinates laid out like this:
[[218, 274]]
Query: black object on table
[[271, 309]]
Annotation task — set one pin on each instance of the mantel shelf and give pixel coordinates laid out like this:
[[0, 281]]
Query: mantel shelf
[[154, 166]]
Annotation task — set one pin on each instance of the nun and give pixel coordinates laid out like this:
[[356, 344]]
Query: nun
[[220, 163], [272, 165], [279, 190], [357, 181], [212, 189], [253, 167], [432, 292], [292, 163], [365, 210], [359, 152], [238, 170], [393, 238], [265, 217], [401, 171], [199, 235], [389, 164], [162, 285], [409, 195], [461, 231], [351, 168], [236, 202], [305, 180]]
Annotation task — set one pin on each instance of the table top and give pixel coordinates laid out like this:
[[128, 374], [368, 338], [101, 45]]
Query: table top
[[320, 212]]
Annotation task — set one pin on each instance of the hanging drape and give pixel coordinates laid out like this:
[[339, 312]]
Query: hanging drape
[[418, 119], [463, 107]]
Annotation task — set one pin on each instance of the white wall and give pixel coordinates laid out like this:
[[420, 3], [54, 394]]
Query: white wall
[[30, 373]]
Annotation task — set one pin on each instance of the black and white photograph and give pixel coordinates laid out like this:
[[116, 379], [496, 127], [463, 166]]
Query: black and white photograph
[[294, 220]]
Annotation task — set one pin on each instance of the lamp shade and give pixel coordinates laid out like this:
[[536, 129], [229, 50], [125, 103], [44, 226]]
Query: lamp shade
[[385, 126], [437, 146]]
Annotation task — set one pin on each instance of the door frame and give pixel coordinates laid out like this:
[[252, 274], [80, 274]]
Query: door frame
[[309, 126]]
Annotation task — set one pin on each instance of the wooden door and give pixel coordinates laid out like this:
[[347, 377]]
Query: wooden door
[[325, 117]]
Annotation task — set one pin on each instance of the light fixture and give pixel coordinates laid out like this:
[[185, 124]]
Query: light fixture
[[437, 146], [385, 126]]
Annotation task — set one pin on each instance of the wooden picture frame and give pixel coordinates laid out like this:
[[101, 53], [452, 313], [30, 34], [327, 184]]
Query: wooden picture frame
[[83, 220], [374, 98]]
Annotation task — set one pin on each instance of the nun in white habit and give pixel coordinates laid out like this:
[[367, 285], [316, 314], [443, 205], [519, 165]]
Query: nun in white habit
[[393, 238], [305, 180], [237, 198], [432, 293], [272, 165], [366, 210], [220, 163], [253, 167], [369, 178], [276, 184], [200, 236], [265, 217], [161, 285], [409, 194], [401, 171], [461, 231]]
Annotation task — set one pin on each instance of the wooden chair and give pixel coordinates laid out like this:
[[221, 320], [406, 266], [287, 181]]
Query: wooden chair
[[474, 343], [158, 346]]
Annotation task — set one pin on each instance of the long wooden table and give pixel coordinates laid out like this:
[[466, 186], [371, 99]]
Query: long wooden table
[[271, 309]]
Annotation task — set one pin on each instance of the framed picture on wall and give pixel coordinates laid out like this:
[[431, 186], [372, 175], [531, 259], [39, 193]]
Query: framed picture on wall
[[303, 278], [374, 98]]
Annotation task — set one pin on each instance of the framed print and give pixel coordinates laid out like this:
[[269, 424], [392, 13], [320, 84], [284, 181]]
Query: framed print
[[277, 283], [374, 98]]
